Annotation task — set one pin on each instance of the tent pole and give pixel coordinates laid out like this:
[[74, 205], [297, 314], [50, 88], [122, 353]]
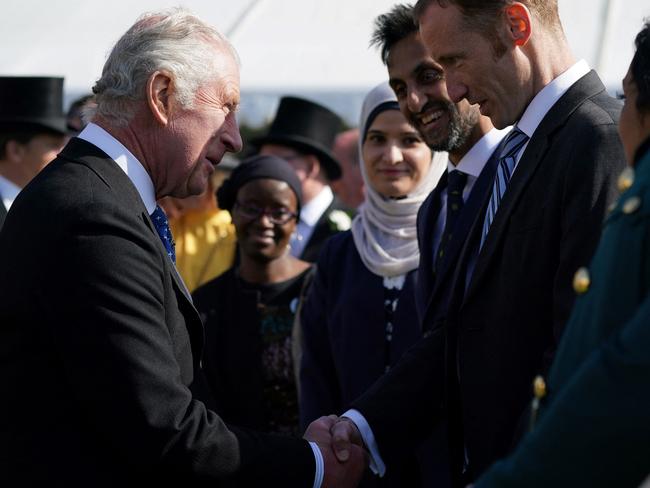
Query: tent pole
[[610, 11], [246, 11]]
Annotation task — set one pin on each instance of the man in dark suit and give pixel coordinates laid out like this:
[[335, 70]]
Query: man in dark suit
[[303, 133], [512, 293], [99, 341], [32, 131], [593, 422]]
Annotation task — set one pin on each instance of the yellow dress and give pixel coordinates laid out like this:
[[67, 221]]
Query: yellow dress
[[205, 245]]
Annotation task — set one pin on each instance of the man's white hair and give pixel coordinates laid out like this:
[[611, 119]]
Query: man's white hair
[[174, 41]]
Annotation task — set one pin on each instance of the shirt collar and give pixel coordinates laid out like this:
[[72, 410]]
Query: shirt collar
[[312, 211], [474, 161], [128, 162], [9, 191], [550, 94]]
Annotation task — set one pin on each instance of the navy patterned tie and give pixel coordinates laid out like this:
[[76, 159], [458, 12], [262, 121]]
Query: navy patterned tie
[[507, 161], [456, 181], [161, 223]]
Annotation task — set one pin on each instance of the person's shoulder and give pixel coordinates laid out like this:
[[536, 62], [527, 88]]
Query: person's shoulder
[[68, 191], [600, 109]]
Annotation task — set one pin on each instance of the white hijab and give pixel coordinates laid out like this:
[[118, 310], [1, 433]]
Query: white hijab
[[384, 230]]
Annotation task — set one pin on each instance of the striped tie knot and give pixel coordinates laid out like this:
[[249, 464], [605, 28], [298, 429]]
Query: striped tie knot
[[507, 161]]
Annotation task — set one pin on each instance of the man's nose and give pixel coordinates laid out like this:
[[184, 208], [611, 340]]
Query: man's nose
[[415, 101], [232, 138]]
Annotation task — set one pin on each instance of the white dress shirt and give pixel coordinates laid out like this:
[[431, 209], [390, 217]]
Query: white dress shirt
[[8, 191], [97, 136], [530, 120], [310, 214]]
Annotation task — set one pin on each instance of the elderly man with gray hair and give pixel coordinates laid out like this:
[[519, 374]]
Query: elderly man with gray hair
[[100, 345]]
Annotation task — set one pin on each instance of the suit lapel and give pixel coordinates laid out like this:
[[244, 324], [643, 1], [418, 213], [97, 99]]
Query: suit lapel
[[3, 212], [470, 215], [588, 86], [427, 229], [472, 208]]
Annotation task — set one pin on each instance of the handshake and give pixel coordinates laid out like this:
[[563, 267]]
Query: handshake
[[342, 448]]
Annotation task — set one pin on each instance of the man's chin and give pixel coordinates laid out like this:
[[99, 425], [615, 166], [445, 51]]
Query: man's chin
[[437, 143]]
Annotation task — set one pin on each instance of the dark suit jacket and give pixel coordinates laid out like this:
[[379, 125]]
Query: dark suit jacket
[[433, 289], [323, 230], [594, 427], [100, 344], [480, 365], [3, 213]]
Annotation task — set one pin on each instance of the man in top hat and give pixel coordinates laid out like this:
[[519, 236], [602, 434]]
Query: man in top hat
[[349, 189], [303, 133], [32, 131]]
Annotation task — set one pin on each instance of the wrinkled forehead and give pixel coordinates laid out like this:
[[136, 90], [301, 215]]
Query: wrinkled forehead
[[226, 81]]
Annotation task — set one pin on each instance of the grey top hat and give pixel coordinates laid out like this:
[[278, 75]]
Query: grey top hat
[[308, 127], [33, 102]]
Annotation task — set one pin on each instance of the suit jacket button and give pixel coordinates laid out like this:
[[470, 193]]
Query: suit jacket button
[[631, 205], [626, 179], [581, 281]]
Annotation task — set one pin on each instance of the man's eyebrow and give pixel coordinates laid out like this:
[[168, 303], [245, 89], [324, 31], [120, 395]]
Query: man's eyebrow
[[447, 58], [424, 65]]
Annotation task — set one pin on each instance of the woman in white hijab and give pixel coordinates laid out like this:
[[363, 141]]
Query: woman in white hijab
[[360, 314]]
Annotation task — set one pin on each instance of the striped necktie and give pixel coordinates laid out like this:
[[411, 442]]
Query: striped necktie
[[161, 224], [506, 165]]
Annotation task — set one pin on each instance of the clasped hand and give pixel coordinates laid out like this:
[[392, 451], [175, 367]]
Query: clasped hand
[[342, 448]]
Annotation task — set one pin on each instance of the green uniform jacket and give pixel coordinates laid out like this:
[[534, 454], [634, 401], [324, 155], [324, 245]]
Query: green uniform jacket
[[594, 425]]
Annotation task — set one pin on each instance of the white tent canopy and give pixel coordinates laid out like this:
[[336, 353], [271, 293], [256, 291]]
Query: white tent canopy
[[297, 46]]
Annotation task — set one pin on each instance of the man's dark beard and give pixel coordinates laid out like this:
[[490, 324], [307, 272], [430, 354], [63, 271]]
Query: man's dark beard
[[459, 130]]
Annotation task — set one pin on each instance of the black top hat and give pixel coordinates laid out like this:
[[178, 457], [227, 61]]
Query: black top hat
[[32, 102], [308, 127]]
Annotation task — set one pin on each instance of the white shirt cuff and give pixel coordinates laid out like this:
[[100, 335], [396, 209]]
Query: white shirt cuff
[[320, 465], [377, 465]]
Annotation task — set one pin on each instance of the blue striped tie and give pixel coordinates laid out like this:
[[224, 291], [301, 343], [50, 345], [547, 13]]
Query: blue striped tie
[[507, 162], [161, 224]]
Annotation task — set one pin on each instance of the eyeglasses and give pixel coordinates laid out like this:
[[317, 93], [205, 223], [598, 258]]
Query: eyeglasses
[[276, 215]]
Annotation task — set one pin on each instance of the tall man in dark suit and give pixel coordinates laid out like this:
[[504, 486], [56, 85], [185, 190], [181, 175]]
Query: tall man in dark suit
[[593, 424], [542, 219], [99, 341], [303, 133], [32, 131]]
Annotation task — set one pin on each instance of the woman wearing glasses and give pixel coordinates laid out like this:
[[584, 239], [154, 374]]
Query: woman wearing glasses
[[248, 312]]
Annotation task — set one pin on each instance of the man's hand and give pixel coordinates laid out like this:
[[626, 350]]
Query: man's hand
[[338, 473], [345, 434]]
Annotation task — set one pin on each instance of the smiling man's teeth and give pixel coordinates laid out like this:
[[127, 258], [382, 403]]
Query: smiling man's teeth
[[427, 119]]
